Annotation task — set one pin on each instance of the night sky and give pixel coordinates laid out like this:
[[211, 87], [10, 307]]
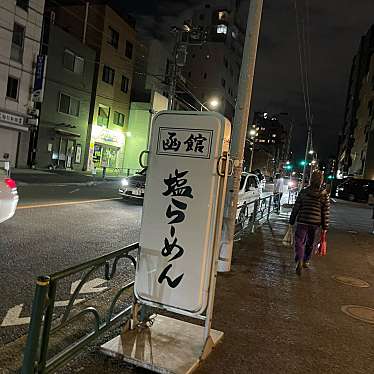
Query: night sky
[[336, 27]]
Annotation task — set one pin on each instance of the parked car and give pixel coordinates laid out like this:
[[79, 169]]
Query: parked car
[[8, 194], [249, 191], [133, 187], [355, 189], [261, 178]]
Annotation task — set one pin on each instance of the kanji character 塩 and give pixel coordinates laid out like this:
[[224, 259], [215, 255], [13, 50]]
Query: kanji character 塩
[[177, 185]]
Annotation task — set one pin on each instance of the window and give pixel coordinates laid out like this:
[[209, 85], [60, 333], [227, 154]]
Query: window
[[24, 4], [16, 53], [108, 75], [225, 62], [205, 75], [118, 118], [189, 74], [222, 15], [103, 115], [69, 105], [73, 62], [12, 88], [221, 29], [223, 82], [128, 49], [113, 38], [125, 84]]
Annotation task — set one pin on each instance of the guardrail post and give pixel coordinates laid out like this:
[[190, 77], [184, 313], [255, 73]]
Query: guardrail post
[[30, 358], [254, 215], [269, 207]]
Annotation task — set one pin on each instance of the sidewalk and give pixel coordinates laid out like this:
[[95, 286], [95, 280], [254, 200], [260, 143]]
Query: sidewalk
[[38, 176], [276, 322]]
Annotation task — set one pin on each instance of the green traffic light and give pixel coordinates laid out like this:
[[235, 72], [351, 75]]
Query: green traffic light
[[302, 162]]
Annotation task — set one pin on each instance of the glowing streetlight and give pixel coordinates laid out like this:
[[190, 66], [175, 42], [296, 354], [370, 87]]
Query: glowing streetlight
[[212, 103], [311, 152], [252, 132]]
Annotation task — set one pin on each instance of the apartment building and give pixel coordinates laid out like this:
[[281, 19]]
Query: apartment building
[[20, 29], [111, 34], [356, 145], [67, 96], [212, 69]]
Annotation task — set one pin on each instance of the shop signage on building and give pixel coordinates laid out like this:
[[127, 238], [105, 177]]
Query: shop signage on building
[[11, 118], [104, 135]]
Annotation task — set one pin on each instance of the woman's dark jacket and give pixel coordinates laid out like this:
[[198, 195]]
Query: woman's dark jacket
[[312, 207]]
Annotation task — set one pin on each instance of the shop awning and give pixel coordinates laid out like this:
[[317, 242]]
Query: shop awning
[[68, 133]]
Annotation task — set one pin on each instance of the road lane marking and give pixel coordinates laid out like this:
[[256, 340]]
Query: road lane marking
[[66, 203], [66, 302], [76, 190], [90, 286], [12, 318]]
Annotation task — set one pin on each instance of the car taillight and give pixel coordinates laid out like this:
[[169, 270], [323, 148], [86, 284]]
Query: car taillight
[[11, 183]]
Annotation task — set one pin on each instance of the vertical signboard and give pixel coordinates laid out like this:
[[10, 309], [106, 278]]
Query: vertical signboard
[[180, 207], [38, 90]]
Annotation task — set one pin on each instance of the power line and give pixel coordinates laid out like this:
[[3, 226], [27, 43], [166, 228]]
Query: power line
[[301, 63]]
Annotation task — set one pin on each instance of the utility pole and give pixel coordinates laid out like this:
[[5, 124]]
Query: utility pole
[[239, 131], [174, 71], [194, 36]]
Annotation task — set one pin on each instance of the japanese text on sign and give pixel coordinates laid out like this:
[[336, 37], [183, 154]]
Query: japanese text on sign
[[178, 190], [194, 143]]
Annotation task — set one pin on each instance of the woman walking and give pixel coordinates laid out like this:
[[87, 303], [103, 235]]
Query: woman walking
[[311, 213]]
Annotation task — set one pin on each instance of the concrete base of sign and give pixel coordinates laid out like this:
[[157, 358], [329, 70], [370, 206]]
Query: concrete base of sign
[[169, 346]]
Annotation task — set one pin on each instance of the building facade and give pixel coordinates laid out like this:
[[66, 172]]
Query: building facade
[[112, 35], [270, 144], [65, 109], [356, 145], [212, 69], [20, 28]]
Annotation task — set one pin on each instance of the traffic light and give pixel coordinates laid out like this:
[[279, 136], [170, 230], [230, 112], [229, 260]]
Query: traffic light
[[302, 163], [288, 167], [330, 177]]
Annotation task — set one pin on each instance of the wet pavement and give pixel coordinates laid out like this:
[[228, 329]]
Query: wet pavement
[[276, 322]]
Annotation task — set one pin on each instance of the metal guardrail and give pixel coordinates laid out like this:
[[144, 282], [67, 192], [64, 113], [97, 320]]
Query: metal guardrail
[[36, 352], [255, 211]]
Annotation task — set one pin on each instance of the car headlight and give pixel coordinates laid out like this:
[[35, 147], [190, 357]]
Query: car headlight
[[124, 182]]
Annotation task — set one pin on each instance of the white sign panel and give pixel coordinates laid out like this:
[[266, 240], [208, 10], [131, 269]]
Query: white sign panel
[[179, 210]]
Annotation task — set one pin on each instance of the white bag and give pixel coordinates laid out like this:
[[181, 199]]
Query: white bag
[[289, 237]]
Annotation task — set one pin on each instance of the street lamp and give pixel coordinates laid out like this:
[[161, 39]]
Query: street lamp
[[213, 103], [311, 152], [252, 133]]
